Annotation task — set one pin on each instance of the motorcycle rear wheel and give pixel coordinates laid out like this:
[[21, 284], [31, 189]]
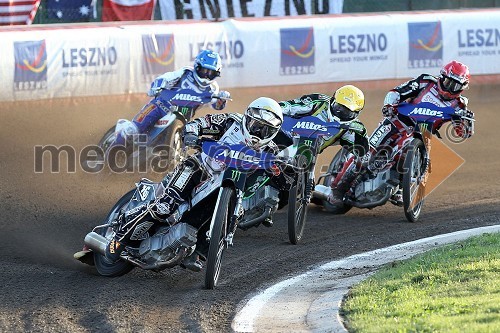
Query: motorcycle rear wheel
[[104, 266], [222, 217], [333, 169], [297, 209], [413, 190]]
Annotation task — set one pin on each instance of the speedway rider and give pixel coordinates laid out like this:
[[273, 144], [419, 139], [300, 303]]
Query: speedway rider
[[199, 78], [443, 91], [255, 128], [344, 107]]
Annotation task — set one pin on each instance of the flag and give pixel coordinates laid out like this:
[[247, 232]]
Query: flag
[[13, 12], [70, 10], [128, 10]]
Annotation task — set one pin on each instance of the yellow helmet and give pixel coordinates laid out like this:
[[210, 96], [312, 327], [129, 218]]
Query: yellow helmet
[[347, 102]]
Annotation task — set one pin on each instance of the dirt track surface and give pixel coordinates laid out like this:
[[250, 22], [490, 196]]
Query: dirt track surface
[[45, 217]]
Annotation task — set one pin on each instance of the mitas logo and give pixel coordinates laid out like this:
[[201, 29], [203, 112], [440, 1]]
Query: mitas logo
[[310, 126], [427, 112], [237, 155], [186, 97]]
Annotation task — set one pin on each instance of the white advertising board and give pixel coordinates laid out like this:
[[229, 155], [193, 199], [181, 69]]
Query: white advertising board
[[50, 63]]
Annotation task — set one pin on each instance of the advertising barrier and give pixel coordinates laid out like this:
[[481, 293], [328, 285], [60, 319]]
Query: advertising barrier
[[107, 60]]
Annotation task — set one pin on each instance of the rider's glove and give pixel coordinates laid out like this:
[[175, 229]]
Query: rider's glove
[[281, 178], [190, 140], [468, 114], [222, 98], [156, 86], [389, 110], [464, 127]]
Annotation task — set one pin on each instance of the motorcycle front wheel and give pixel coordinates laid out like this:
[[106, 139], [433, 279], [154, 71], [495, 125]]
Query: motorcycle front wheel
[[298, 201], [107, 139], [222, 217], [413, 187], [104, 266], [119, 160], [297, 209]]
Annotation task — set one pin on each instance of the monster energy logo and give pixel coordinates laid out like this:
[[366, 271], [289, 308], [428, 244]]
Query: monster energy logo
[[184, 110], [423, 127], [235, 174], [308, 143]]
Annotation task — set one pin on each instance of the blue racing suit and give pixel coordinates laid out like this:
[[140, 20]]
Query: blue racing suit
[[156, 109]]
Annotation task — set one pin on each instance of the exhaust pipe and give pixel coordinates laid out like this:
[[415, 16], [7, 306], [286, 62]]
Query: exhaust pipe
[[244, 225], [372, 204], [96, 242], [321, 192]]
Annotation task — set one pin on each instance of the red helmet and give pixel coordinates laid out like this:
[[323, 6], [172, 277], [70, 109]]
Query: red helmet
[[453, 80]]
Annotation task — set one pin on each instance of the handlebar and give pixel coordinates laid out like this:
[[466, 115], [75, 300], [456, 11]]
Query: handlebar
[[222, 97]]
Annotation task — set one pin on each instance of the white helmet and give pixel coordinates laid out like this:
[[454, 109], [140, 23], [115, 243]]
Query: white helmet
[[262, 121]]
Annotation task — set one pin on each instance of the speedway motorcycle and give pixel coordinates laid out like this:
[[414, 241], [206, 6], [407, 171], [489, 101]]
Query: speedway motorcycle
[[182, 105], [398, 158], [239, 193], [308, 134]]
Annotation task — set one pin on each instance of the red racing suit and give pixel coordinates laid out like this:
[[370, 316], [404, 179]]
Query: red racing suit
[[425, 89]]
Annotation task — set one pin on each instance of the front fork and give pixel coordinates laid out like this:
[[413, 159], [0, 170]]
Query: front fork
[[427, 136], [233, 224], [309, 186]]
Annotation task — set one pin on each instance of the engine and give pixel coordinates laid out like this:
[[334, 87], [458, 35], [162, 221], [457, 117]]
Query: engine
[[259, 206], [164, 244], [262, 196], [375, 189]]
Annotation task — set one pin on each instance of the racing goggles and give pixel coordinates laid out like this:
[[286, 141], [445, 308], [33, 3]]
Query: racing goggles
[[206, 73], [261, 123], [342, 112], [452, 85]]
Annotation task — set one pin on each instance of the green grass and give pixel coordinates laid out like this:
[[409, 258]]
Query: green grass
[[455, 288]]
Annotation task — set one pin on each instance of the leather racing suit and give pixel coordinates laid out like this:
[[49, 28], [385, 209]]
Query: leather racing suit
[[224, 127], [318, 105], [155, 109], [421, 89], [424, 89]]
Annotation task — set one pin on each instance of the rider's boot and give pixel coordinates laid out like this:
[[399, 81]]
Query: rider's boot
[[397, 197], [268, 222], [158, 209], [193, 262], [340, 186]]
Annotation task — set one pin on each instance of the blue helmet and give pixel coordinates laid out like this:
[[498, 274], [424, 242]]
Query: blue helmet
[[207, 66]]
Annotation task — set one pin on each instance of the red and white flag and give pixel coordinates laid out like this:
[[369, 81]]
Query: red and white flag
[[127, 10], [14, 12]]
